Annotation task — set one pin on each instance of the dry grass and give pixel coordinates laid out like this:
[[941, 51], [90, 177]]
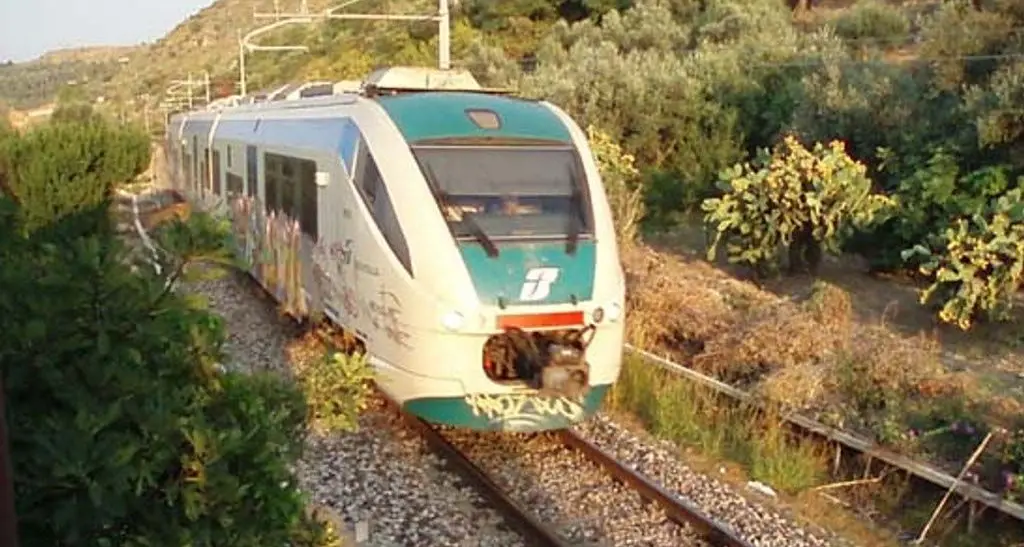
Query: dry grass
[[810, 352]]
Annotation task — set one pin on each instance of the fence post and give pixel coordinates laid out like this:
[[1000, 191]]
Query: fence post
[[8, 518]]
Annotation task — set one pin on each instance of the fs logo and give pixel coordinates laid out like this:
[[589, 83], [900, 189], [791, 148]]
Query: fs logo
[[538, 284]]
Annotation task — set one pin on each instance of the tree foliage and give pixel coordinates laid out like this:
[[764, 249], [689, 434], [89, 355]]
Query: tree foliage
[[68, 167], [123, 429], [622, 184], [979, 263], [798, 200]]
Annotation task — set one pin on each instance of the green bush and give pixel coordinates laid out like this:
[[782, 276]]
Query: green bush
[[978, 265], [930, 196], [798, 200], [873, 20], [122, 431], [70, 167]]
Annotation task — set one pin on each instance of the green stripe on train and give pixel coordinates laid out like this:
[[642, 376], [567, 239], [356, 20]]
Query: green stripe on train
[[508, 412], [515, 274], [422, 116]]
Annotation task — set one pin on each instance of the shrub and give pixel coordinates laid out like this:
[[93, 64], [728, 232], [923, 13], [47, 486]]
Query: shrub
[[121, 430], [336, 386], [873, 20], [804, 201], [63, 168], [621, 182], [978, 266], [930, 195]]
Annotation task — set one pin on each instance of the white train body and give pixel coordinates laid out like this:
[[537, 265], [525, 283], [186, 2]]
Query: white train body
[[384, 213]]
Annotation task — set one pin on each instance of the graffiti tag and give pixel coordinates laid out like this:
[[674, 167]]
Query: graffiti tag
[[367, 269], [384, 315], [523, 410]]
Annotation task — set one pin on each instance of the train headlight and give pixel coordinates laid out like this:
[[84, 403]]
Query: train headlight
[[598, 314], [614, 312], [453, 320]]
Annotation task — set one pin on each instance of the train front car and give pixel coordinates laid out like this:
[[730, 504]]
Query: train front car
[[532, 313]]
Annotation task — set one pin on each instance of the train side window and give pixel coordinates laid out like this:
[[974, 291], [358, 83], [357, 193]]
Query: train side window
[[288, 187], [194, 168], [307, 199], [251, 174], [234, 184], [204, 170], [229, 156], [216, 172], [271, 177], [370, 187]]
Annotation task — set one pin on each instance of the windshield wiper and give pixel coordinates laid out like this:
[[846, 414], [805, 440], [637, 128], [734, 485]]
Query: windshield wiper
[[481, 236], [467, 218]]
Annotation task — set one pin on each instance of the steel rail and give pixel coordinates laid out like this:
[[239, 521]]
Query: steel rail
[[535, 532], [677, 509], [924, 471]]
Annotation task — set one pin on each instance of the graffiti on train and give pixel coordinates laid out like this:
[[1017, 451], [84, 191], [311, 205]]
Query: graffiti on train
[[271, 246], [524, 410], [385, 312]]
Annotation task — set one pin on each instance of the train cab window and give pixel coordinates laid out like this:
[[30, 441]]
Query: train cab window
[[251, 173], [216, 172], [371, 188], [508, 192]]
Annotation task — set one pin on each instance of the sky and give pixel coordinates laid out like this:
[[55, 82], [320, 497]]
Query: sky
[[29, 28]]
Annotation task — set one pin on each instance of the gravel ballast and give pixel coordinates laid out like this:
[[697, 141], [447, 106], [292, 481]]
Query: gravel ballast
[[376, 477], [757, 523], [569, 493]]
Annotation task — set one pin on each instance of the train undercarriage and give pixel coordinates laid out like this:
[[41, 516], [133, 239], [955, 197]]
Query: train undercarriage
[[553, 362]]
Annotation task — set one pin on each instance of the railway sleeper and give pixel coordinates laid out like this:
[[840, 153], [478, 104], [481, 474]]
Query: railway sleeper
[[552, 362]]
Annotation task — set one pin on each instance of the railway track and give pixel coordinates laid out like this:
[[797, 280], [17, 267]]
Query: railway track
[[691, 526], [695, 527]]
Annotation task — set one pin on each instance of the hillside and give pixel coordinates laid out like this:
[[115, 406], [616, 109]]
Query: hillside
[[207, 41], [91, 54]]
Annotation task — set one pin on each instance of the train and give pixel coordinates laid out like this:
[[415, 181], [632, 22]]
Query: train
[[461, 234]]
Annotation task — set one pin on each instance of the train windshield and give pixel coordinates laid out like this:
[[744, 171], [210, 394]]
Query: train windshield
[[508, 192]]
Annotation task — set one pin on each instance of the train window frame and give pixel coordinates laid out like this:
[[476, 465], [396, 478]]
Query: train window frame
[[215, 154], [271, 190], [578, 169], [204, 168], [234, 185], [309, 200], [379, 206], [291, 174]]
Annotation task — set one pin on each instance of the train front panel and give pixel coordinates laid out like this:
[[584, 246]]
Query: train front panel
[[521, 327]]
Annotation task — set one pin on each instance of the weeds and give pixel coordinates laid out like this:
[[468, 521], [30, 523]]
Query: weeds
[[692, 415]]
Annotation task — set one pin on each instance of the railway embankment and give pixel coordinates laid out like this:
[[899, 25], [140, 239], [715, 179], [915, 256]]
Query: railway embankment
[[874, 397]]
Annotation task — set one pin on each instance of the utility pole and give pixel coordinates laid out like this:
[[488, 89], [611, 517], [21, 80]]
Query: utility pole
[[8, 517], [206, 81], [244, 46], [442, 17]]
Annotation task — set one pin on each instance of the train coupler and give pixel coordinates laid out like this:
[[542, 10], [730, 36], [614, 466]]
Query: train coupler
[[554, 362]]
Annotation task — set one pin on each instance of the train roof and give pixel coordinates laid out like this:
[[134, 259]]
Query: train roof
[[445, 115], [425, 105]]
